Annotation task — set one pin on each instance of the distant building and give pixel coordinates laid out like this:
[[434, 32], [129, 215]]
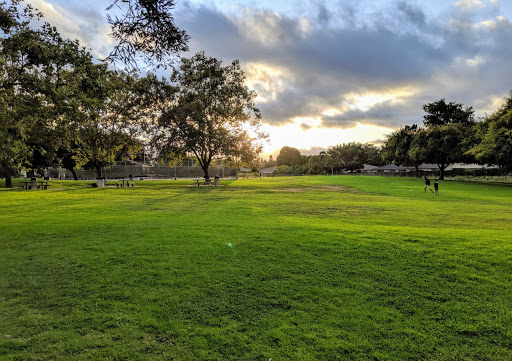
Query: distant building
[[393, 168], [428, 167], [268, 170], [368, 168]]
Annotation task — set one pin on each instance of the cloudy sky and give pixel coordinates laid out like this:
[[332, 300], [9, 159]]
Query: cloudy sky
[[329, 72]]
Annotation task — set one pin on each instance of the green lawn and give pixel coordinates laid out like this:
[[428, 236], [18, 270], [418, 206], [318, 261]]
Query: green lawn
[[304, 268]]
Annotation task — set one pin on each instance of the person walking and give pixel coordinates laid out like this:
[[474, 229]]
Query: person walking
[[427, 185], [436, 187]]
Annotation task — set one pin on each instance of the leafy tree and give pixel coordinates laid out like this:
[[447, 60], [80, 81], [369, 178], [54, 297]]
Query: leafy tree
[[317, 164], [14, 104], [289, 156], [146, 31], [112, 117], [441, 113], [271, 162], [296, 169], [36, 70], [210, 113], [495, 137], [449, 134], [373, 154], [327, 160], [441, 145], [348, 156], [397, 149], [66, 154]]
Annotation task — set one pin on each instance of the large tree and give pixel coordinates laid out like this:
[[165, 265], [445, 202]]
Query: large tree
[[495, 137], [210, 114], [349, 156], [37, 69], [442, 113], [289, 156], [117, 109], [448, 134], [397, 148], [15, 112], [145, 31]]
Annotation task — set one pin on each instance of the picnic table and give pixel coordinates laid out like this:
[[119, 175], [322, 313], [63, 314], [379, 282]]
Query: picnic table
[[123, 181], [207, 182], [34, 184]]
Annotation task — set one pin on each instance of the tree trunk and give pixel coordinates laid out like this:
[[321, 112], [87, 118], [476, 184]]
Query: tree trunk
[[72, 170], [75, 177], [98, 171], [205, 171], [441, 171], [7, 175]]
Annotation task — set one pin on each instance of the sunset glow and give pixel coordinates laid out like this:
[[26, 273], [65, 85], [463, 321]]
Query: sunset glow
[[294, 135], [327, 73]]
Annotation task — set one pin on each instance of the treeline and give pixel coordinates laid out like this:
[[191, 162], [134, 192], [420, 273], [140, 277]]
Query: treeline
[[59, 108], [450, 134], [344, 157]]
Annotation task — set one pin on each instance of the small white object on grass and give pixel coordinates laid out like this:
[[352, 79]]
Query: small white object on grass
[[410, 190]]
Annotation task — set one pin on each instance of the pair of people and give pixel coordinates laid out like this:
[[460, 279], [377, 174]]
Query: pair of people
[[427, 185]]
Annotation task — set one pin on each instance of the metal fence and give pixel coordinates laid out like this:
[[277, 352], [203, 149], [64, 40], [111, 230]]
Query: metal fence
[[159, 172]]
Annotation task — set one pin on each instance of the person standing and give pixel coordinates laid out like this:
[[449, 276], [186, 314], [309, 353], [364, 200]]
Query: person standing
[[427, 185], [436, 187]]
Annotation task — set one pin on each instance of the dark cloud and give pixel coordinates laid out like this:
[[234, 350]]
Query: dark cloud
[[324, 15], [413, 13], [328, 58], [305, 126]]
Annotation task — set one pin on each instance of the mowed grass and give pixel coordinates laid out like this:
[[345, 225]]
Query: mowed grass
[[304, 268]]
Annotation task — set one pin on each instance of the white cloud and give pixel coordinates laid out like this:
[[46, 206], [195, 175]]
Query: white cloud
[[268, 81], [475, 61], [89, 26], [492, 24], [469, 5], [369, 99]]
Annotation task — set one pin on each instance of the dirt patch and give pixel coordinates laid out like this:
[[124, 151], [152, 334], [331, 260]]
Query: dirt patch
[[335, 188], [325, 188], [292, 190]]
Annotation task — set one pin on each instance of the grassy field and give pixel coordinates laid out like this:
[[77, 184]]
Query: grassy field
[[304, 268]]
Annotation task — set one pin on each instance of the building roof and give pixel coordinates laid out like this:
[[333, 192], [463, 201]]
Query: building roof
[[395, 167], [268, 170], [428, 166], [369, 167]]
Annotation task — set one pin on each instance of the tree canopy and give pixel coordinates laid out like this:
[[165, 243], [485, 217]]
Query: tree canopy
[[447, 136], [289, 156], [210, 114], [397, 148], [39, 73], [146, 31], [495, 137], [350, 156]]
